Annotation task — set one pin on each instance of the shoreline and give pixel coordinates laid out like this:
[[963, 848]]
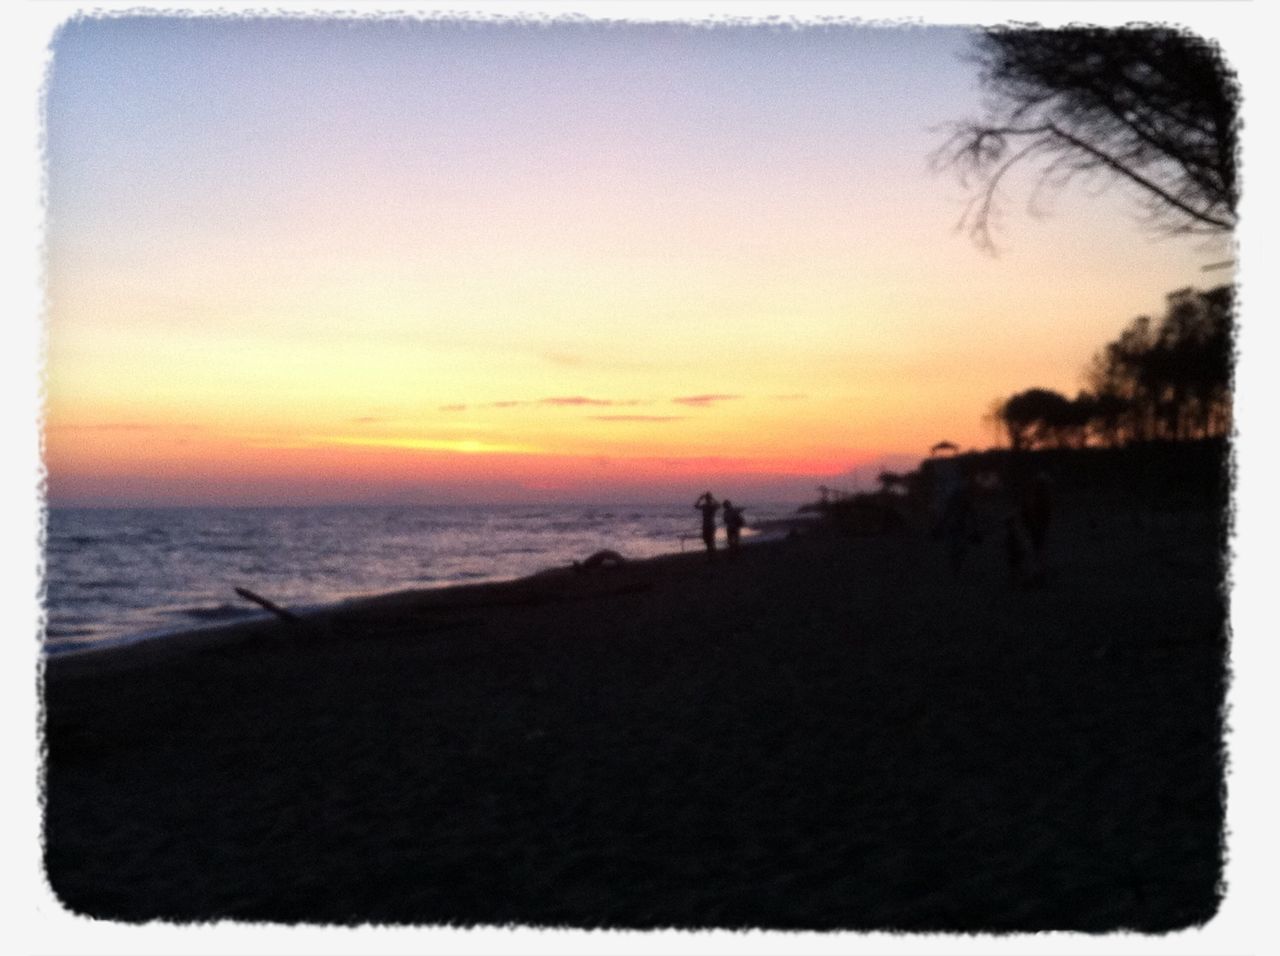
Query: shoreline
[[196, 616], [554, 583]]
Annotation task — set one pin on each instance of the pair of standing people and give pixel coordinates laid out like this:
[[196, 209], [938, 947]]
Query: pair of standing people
[[733, 522]]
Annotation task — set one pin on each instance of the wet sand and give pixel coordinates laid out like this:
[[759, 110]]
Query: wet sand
[[825, 733]]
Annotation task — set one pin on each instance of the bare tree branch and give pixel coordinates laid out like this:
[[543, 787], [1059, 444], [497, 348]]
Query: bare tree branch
[[1124, 170], [1151, 107]]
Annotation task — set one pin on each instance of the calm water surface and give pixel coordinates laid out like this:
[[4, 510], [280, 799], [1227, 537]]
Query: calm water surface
[[119, 574]]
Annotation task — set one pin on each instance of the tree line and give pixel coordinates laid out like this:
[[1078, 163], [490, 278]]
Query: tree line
[[1167, 381]]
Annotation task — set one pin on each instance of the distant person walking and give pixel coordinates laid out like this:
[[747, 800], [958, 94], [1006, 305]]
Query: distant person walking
[[733, 522], [1015, 547], [947, 480], [1036, 510], [708, 506], [956, 526]]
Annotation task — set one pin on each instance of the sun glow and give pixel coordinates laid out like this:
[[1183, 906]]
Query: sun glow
[[464, 447]]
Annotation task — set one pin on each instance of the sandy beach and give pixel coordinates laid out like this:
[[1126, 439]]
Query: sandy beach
[[826, 732]]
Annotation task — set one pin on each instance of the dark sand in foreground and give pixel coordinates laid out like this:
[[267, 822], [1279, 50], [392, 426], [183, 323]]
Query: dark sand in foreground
[[825, 733]]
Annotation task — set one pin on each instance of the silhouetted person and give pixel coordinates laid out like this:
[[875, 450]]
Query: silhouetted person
[[733, 522], [1036, 510], [1015, 547], [956, 524], [708, 506], [947, 481]]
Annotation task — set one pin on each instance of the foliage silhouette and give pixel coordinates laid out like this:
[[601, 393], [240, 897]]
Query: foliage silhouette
[[1167, 382], [1152, 107], [1034, 417]]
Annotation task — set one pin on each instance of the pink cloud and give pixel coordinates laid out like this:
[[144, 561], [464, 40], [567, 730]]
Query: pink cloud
[[575, 400], [557, 401], [580, 400], [702, 401]]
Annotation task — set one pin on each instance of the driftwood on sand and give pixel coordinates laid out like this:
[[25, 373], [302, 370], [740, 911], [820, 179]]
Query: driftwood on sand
[[276, 609]]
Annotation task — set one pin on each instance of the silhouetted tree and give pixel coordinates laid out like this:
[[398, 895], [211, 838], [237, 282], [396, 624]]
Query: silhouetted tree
[[1120, 379], [1035, 418], [1072, 424], [1171, 381], [1107, 412], [1192, 359], [1152, 107]]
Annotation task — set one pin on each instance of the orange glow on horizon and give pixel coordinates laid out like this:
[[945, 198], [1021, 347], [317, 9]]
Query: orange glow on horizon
[[490, 266]]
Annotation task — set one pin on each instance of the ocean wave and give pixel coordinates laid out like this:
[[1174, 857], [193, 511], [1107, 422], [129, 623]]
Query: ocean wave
[[220, 612], [78, 540], [301, 556], [65, 634], [579, 524]]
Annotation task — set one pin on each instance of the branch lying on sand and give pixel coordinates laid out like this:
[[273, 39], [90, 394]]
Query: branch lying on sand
[[274, 608]]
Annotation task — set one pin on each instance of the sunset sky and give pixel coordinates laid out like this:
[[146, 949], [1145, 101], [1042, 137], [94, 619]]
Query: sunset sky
[[317, 260]]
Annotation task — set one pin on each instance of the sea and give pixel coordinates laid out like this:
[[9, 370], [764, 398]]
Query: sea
[[120, 575]]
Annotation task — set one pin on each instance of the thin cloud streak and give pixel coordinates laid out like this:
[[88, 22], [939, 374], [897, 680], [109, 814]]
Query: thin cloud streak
[[462, 446], [556, 401], [637, 418], [580, 400], [704, 401]]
